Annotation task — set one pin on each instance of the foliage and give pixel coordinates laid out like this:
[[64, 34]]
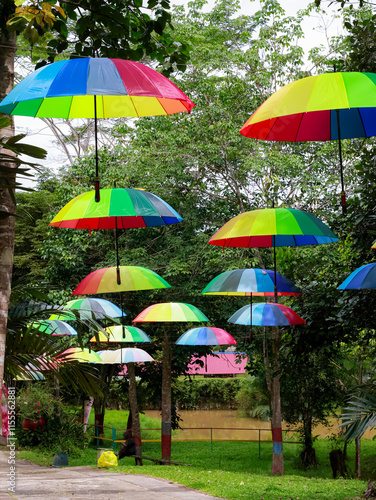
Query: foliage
[[253, 398], [359, 414], [37, 400]]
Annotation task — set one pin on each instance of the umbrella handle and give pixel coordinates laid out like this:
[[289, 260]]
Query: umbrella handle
[[96, 179]]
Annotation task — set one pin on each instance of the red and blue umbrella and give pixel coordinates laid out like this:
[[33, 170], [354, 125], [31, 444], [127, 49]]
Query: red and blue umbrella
[[206, 336], [266, 314], [362, 278]]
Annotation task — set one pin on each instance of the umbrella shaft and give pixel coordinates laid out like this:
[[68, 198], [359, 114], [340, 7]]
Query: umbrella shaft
[[96, 180], [343, 195]]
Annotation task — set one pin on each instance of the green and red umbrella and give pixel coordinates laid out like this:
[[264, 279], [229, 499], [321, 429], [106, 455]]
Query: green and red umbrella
[[330, 106], [171, 312], [95, 88], [132, 278], [266, 314], [122, 334], [206, 336], [81, 355]]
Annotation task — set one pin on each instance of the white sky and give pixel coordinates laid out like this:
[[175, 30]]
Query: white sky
[[314, 29]]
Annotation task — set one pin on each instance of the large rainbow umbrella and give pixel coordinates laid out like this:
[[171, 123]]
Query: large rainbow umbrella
[[128, 355], [133, 278], [88, 307], [330, 106], [206, 336], [121, 208], [266, 314], [362, 278], [249, 282], [95, 88], [54, 327], [171, 312], [122, 334], [81, 355]]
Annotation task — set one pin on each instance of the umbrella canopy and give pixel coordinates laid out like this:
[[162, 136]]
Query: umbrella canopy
[[66, 89], [89, 307], [266, 314], [128, 355], [206, 336], [373, 245], [82, 355], [248, 282], [171, 312], [55, 327], [362, 278], [120, 208], [271, 227], [121, 333], [132, 278]]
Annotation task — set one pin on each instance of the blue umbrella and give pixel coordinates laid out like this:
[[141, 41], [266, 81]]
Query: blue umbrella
[[266, 314], [362, 278], [206, 336]]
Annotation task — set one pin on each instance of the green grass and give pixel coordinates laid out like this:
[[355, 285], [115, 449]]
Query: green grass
[[234, 470]]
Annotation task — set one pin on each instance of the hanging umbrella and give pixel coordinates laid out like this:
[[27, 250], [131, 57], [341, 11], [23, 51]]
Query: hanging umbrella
[[248, 282], [120, 208], [81, 355], [128, 355], [373, 245], [266, 314], [362, 278], [133, 278], [173, 312], [330, 106], [55, 328], [121, 333], [95, 88], [206, 336], [89, 307]]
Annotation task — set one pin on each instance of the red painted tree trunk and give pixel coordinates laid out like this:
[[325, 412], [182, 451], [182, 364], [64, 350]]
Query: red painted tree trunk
[[166, 397], [136, 428]]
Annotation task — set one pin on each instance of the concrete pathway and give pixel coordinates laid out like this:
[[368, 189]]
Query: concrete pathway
[[75, 483]]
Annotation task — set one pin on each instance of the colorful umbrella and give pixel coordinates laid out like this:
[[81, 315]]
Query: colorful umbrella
[[170, 312], [273, 227], [128, 355], [121, 333], [133, 278], [120, 208], [206, 336], [373, 245], [362, 278], [99, 308], [248, 282], [95, 88], [266, 314], [330, 106], [81, 355], [54, 327]]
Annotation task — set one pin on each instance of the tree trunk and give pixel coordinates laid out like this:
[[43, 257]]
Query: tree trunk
[[7, 208], [357, 458], [166, 397], [308, 455], [136, 428], [274, 387]]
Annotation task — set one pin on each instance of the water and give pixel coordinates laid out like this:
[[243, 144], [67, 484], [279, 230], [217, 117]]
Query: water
[[228, 425]]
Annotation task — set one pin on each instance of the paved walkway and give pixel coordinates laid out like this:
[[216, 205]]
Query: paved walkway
[[76, 483]]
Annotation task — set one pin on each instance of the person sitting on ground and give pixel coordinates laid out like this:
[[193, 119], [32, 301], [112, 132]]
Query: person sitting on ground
[[129, 446]]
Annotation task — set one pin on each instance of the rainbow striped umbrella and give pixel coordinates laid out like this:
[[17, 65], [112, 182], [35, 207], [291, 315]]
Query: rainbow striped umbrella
[[127, 355], [55, 327], [95, 88], [373, 245], [266, 314], [273, 227], [121, 333], [132, 278], [170, 312], [330, 106], [120, 208], [89, 307], [206, 336], [81, 355], [248, 282], [362, 278]]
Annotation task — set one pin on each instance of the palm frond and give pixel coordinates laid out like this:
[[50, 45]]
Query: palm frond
[[359, 414]]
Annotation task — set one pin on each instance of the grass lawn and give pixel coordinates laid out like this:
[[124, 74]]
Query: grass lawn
[[234, 470]]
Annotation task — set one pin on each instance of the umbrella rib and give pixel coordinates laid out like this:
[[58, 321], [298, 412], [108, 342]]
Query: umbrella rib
[[361, 121], [297, 130]]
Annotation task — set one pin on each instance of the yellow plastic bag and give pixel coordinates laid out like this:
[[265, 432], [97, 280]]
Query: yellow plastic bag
[[108, 459]]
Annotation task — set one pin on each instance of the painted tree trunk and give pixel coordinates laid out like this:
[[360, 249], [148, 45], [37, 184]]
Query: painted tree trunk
[[7, 208], [136, 428], [166, 397], [273, 383]]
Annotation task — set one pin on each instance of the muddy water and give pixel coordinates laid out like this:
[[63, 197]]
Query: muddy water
[[223, 424]]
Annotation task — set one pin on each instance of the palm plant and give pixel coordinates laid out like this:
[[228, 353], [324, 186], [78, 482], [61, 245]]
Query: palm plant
[[360, 413]]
